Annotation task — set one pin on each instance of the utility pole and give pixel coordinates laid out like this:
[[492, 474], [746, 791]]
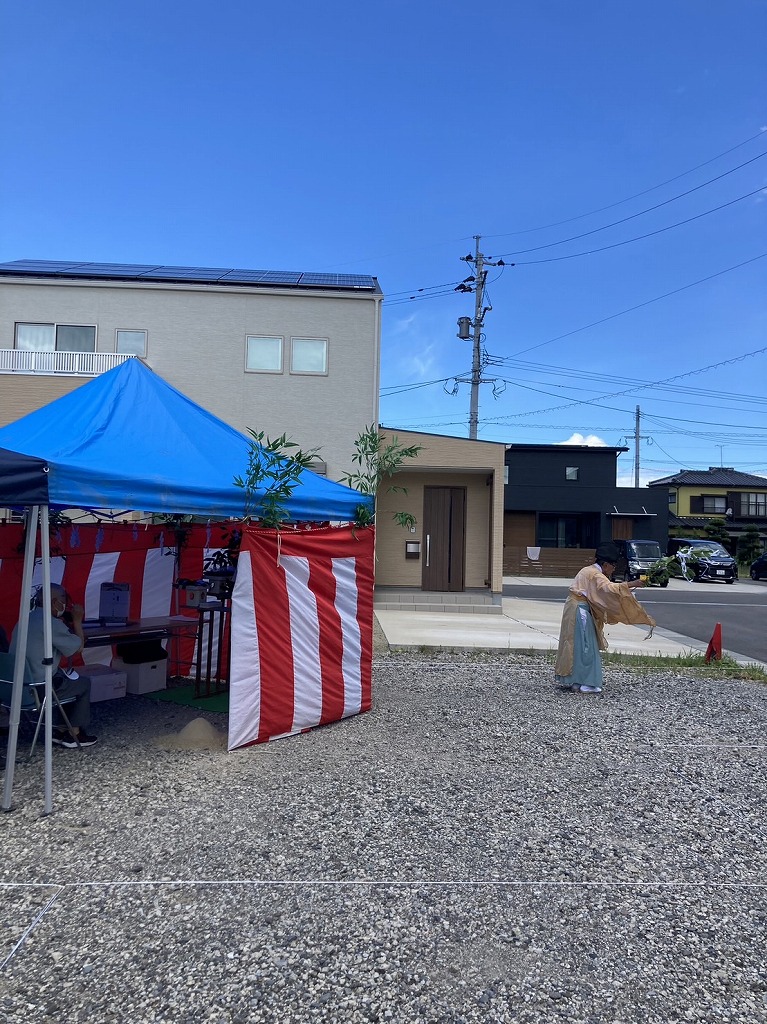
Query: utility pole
[[480, 261], [476, 367], [637, 437]]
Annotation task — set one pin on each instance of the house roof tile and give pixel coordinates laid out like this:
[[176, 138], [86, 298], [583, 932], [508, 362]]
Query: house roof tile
[[723, 476]]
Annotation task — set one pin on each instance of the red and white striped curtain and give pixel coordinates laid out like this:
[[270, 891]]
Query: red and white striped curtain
[[302, 612], [302, 631], [144, 555]]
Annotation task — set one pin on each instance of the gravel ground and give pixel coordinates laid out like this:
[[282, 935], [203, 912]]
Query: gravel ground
[[479, 847]]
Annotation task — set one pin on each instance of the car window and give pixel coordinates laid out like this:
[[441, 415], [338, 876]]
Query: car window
[[711, 546], [644, 549]]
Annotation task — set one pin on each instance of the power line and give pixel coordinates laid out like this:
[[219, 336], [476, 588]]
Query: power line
[[398, 389], [637, 195], [639, 305], [641, 213], [412, 292], [639, 238], [598, 323], [555, 224], [631, 390]]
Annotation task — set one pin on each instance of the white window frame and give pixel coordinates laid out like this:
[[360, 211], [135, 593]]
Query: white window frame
[[310, 373], [55, 327], [131, 330], [264, 337]]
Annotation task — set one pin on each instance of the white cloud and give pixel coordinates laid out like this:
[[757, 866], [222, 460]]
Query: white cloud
[[422, 364], [410, 351], [589, 439], [625, 478], [403, 324]]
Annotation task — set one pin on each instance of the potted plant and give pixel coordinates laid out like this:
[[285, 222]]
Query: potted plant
[[219, 569]]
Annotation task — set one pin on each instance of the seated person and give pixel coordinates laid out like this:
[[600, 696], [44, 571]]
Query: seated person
[[65, 644]]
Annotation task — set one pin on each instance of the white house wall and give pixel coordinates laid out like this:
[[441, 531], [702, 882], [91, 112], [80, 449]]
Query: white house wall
[[196, 341]]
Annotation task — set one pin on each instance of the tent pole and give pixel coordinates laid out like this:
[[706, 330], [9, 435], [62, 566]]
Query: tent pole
[[22, 630], [45, 553]]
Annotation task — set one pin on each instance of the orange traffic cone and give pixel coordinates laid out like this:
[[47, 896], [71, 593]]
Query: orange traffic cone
[[714, 649]]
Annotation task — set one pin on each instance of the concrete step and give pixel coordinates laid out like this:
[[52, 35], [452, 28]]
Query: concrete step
[[467, 602]]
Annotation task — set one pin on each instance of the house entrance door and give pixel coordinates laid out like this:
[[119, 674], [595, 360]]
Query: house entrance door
[[444, 531], [623, 528]]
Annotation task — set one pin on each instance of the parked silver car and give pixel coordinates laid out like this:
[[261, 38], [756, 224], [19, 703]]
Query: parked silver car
[[636, 558]]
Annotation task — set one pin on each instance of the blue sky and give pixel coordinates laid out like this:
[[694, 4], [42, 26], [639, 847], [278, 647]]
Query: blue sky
[[381, 139]]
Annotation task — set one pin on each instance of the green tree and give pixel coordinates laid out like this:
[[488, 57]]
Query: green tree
[[274, 470], [716, 529], [378, 462], [749, 544]]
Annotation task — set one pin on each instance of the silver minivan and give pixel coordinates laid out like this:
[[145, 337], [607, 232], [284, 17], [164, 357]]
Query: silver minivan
[[636, 557]]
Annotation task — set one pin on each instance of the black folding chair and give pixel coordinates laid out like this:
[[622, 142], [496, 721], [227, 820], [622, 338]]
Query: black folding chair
[[32, 700]]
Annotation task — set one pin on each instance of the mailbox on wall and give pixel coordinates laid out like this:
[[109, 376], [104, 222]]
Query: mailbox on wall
[[412, 549]]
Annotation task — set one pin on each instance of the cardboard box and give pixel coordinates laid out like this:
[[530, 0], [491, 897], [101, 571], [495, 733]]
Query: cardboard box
[[106, 683], [146, 677]]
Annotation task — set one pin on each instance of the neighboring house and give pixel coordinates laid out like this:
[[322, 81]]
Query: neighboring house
[[562, 500], [697, 496], [455, 491], [282, 352]]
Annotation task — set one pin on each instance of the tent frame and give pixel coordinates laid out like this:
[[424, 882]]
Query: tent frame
[[37, 515]]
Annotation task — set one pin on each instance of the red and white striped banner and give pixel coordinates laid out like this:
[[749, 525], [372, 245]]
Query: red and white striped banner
[[302, 631], [144, 555]]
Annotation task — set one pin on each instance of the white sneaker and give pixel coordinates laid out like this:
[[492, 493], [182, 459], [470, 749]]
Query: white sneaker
[[589, 689]]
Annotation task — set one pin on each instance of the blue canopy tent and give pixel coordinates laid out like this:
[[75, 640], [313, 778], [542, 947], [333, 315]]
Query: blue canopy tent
[[129, 440]]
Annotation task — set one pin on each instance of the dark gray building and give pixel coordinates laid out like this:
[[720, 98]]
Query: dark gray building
[[562, 500]]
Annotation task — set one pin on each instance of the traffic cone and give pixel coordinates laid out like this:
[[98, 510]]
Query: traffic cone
[[714, 649]]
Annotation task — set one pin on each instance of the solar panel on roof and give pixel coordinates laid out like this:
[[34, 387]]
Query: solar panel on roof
[[124, 270], [149, 271], [339, 280], [186, 273], [263, 276], [39, 266]]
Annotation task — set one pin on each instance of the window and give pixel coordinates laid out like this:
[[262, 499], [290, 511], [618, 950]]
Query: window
[[714, 505], [672, 497], [263, 355], [55, 338], [131, 343], [756, 504], [308, 355], [571, 473], [555, 531], [36, 337]]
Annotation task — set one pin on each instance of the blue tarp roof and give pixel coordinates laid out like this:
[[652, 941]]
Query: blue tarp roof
[[129, 440]]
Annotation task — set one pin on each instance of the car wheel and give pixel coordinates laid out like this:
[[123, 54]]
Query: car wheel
[[665, 583], [754, 574], [730, 581]]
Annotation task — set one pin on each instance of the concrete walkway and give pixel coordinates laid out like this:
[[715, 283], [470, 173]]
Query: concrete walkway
[[530, 625]]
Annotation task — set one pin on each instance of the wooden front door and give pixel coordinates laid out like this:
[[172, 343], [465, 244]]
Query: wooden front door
[[623, 528], [444, 532]]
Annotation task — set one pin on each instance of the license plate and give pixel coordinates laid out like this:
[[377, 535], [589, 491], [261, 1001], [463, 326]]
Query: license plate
[[721, 572]]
